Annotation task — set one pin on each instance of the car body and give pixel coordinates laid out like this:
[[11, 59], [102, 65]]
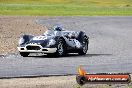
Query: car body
[[55, 41]]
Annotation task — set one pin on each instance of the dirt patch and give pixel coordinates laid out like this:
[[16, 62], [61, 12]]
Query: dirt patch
[[44, 82], [12, 27]]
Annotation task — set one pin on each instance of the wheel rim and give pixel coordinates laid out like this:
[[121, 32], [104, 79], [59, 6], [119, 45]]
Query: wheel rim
[[85, 47], [60, 48]]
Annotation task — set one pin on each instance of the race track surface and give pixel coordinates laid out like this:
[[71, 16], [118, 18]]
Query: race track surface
[[110, 49]]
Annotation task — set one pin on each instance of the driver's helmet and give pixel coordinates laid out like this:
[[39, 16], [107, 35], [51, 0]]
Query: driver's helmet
[[57, 28]]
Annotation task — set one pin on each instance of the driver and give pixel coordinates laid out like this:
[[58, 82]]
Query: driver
[[57, 28]]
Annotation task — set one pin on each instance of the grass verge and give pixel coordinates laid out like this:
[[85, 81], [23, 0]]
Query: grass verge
[[63, 10], [66, 7]]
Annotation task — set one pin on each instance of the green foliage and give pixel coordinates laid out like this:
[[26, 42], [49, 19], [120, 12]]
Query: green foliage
[[66, 7]]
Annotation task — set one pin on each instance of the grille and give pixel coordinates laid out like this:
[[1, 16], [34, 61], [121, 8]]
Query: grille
[[44, 50], [33, 48]]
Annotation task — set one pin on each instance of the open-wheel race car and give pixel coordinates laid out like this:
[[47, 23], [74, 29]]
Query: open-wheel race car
[[55, 41]]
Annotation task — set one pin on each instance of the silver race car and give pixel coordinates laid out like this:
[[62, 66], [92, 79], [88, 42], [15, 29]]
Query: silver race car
[[55, 41]]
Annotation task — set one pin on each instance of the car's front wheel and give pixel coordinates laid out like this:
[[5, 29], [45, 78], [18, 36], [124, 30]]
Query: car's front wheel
[[60, 48], [24, 54]]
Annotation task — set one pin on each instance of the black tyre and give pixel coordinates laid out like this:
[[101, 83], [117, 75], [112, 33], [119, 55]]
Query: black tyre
[[60, 48], [24, 54], [80, 80], [84, 48]]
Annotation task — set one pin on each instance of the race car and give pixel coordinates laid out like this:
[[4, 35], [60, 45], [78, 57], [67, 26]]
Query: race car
[[55, 41]]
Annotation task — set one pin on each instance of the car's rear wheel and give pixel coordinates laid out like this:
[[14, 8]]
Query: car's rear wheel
[[24, 54], [84, 48]]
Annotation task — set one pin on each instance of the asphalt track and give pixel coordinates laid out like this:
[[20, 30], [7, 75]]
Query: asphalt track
[[110, 49]]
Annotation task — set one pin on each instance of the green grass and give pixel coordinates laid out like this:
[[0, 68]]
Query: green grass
[[66, 7]]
